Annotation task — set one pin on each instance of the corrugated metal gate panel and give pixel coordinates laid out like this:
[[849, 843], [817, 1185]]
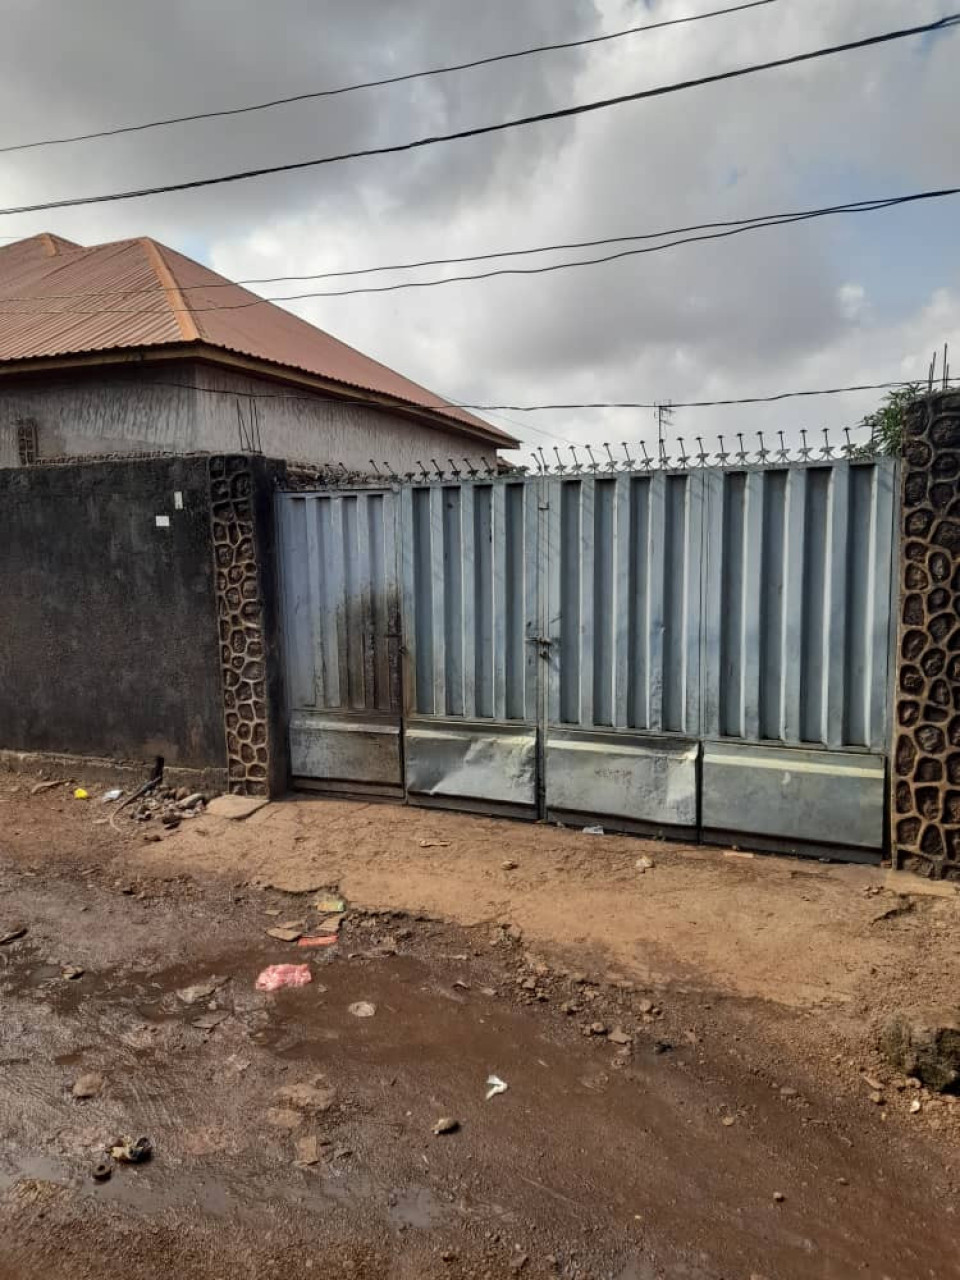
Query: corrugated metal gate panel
[[342, 632], [470, 597], [570, 641], [623, 597], [470, 600], [796, 630], [796, 639]]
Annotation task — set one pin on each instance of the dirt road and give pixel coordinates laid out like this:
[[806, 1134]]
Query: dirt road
[[679, 1104]]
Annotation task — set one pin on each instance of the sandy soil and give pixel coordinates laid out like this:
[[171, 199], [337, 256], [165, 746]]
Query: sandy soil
[[747, 991]]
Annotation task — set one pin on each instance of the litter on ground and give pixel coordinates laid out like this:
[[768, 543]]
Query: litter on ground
[[495, 1086], [276, 976], [362, 1009], [128, 1151]]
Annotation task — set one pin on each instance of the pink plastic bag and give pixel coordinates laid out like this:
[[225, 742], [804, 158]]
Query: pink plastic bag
[[276, 976]]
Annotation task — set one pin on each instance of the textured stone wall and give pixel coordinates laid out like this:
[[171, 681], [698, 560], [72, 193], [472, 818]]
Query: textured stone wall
[[926, 755], [240, 614]]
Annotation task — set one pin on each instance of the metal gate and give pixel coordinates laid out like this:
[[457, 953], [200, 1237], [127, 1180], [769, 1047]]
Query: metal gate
[[341, 614], [703, 653]]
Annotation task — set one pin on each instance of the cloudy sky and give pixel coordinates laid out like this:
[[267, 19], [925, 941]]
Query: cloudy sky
[[833, 302]]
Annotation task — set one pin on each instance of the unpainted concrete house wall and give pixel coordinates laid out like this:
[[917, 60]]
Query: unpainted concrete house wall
[[190, 407]]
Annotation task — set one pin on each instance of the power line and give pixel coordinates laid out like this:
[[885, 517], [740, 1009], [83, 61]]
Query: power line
[[447, 405], [734, 227], [687, 404], [756, 222], [751, 225], [376, 84], [483, 130]]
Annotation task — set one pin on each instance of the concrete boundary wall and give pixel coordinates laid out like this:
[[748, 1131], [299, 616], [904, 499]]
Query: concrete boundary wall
[[137, 619]]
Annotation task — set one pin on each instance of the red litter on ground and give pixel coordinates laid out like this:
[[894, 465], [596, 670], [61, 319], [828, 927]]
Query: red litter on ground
[[276, 976], [321, 940]]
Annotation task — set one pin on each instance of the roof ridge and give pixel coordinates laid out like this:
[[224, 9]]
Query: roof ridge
[[53, 245], [168, 282], [442, 402]]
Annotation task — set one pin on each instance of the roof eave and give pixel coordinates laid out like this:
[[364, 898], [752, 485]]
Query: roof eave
[[476, 429]]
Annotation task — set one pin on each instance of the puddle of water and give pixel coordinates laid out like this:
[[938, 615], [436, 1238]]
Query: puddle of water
[[35, 1165], [415, 1207]]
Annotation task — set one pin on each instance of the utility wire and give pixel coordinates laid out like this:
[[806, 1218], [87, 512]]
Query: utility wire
[[758, 220], [447, 405], [376, 84], [734, 228], [482, 130], [688, 404]]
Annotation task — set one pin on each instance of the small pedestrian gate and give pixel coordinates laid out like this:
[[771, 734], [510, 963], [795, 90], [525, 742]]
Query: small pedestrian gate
[[702, 653]]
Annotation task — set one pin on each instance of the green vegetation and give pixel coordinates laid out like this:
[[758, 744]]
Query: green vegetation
[[887, 424]]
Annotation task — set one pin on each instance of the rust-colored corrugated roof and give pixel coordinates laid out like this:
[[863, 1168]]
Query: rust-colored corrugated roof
[[60, 299]]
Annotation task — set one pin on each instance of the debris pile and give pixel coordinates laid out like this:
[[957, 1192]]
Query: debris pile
[[170, 805]]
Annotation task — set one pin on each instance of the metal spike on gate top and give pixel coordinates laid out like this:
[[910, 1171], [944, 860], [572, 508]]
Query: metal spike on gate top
[[423, 470], [454, 470], [826, 449], [612, 463], [560, 467], [594, 464], [741, 452], [683, 457], [722, 454], [437, 468], [647, 460], [544, 465], [486, 464], [849, 447], [804, 451], [393, 474], [783, 453], [763, 453], [629, 464], [702, 457], [576, 461], [663, 458], [471, 469], [376, 469]]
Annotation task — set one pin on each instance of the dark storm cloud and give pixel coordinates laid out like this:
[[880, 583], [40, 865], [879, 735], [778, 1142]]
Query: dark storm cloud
[[768, 311], [69, 69]]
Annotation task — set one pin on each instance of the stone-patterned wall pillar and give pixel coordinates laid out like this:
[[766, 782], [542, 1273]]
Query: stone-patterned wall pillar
[[241, 513], [926, 753]]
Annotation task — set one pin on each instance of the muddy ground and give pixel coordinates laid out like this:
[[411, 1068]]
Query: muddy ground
[[689, 1053]]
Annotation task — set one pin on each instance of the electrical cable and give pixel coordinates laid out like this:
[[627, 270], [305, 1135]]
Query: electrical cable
[[596, 404], [735, 227], [117, 130], [687, 404], [483, 130]]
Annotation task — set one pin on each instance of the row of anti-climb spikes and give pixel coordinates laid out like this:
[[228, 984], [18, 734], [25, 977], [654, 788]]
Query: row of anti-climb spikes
[[661, 461]]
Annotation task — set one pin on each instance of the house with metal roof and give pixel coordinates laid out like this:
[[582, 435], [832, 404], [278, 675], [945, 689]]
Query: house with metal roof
[[131, 347]]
